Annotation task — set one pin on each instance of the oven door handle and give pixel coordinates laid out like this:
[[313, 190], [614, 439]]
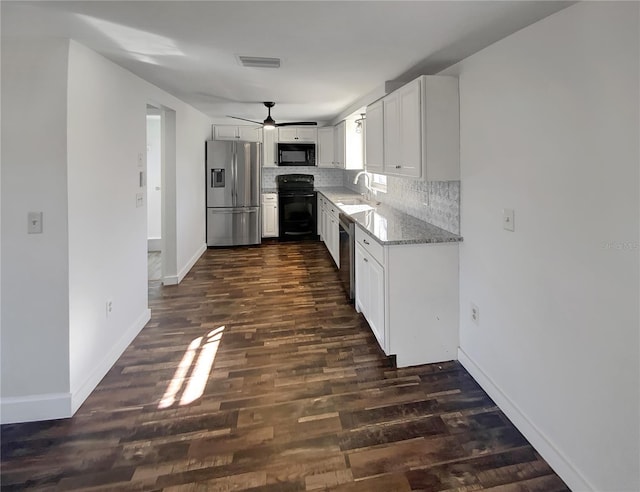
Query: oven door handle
[[301, 195]]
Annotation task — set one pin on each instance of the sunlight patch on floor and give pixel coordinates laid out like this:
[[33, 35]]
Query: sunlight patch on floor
[[195, 375]]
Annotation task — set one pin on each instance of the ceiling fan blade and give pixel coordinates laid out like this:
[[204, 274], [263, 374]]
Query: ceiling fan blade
[[298, 123], [244, 119]]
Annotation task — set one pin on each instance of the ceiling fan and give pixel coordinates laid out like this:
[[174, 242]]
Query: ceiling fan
[[269, 123]]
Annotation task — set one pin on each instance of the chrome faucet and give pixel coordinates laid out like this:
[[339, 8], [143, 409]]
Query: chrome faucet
[[367, 183]]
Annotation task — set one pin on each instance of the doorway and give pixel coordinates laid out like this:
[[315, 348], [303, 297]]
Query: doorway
[[154, 194]]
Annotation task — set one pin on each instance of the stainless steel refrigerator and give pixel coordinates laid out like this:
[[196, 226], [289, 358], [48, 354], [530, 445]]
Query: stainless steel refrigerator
[[233, 193]]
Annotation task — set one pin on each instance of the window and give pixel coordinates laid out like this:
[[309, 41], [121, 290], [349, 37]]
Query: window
[[379, 182]]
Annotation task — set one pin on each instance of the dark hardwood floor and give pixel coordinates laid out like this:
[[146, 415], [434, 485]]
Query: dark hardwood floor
[[298, 397]]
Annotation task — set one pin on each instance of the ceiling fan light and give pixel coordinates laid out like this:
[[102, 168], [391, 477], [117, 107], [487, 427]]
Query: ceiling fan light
[[269, 123]]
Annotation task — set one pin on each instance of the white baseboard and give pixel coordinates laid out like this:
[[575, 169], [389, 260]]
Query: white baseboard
[[176, 279], [32, 408], [80, 394], [556, 459], [170, 280], [52, 406], [154, 244]]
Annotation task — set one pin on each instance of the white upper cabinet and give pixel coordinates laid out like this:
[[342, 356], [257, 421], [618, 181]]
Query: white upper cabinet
[[420, 130], [403, 131], [374, 150], [297, 134], [243, 133], [338, 144], [269, 148], [325, 147], [348, 145]]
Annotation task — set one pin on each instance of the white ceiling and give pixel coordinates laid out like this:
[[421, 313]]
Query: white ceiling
[[333, 53]]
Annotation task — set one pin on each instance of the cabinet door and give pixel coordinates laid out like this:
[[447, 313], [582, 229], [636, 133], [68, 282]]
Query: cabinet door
[[269, 220], [335, 239], [286, 134], [225, 132], [374, 136], [325, 147], [362, 281], [370, 293], [250, 133], [338, 144], [376, 302], [410, 129], [333, 233], [269, 215], [391, 138], [325, 224], [305, 134], [269, 149]]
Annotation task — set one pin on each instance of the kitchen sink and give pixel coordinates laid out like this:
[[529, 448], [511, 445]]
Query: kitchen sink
[[351, 201], [355, 208], [355, 205]]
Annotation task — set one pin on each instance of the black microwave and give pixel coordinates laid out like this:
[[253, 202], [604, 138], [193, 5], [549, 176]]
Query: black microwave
[[296, 154]]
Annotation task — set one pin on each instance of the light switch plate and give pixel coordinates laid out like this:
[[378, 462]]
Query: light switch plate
[[508, 220], [34, 223]]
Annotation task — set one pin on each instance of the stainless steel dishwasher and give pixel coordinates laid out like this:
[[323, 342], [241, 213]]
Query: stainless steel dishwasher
[[347, 254]]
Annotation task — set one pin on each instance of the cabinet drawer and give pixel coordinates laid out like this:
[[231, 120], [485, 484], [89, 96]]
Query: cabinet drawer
[[332, 209], [373, 247], [269, 198]]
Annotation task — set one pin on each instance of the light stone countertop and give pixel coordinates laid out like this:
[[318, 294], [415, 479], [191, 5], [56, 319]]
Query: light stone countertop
[[387, 225]]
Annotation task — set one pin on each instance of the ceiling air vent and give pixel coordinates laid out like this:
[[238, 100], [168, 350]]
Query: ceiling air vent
[[259, 62]]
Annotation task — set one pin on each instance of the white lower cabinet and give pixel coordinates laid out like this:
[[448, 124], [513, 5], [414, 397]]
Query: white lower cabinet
[[370, 292], [319, 221], [270, 215], [332, 232], [408, 294], [329, 227]]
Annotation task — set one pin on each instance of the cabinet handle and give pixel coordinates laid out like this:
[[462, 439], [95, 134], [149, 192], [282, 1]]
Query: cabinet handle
[[366, 260], [398, 167], [366, 242]]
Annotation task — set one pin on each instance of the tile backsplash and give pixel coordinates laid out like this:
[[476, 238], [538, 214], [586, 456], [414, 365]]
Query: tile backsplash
[[436, 202], [322, 176]]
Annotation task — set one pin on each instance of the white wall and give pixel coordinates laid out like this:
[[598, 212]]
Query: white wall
[[35, 299], [192, 131], [57, 315], [549, 128], [107, 231]]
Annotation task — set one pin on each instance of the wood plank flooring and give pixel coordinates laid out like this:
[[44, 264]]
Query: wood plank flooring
[[299, 398]]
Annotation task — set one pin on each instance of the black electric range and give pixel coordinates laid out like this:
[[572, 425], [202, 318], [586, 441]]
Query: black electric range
[[297, 206]]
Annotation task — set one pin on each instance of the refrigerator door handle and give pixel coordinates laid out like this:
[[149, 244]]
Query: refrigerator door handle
[[231, 211], [234, 175]]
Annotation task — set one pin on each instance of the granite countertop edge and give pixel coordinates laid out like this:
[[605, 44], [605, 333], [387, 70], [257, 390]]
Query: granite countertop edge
[[421, 232]]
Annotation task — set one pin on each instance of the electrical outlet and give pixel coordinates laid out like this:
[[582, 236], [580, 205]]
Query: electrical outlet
[[475, 314], [109, 307]]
